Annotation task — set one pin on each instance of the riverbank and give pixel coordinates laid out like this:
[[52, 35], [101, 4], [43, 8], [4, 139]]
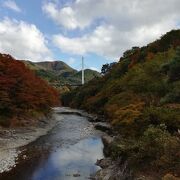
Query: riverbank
[[13, 138], [110, 168], [119, 168]]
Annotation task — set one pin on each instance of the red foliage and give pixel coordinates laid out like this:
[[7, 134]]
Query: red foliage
[[21, 90]]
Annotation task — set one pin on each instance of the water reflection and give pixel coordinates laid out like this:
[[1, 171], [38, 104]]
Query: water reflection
[[75, 162]]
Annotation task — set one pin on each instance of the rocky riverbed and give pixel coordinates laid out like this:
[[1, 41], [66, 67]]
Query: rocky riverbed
[[66, 146], [13, 138]]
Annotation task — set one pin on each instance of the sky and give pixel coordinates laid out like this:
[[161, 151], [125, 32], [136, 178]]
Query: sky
[[99, 30]]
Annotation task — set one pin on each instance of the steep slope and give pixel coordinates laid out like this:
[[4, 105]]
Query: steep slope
[[140, 97], [23, 96]]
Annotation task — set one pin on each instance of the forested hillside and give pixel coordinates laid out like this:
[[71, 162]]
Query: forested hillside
[[23, 95], [140, 97]]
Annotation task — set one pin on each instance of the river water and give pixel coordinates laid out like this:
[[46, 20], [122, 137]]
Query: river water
[[68, 152]]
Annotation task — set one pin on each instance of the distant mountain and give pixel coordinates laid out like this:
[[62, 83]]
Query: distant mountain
[[57, 66], [89, 74], [58, 73]]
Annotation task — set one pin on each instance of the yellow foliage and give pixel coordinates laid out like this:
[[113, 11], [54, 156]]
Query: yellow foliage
[[125, 112], [170, 177], [128, 114]]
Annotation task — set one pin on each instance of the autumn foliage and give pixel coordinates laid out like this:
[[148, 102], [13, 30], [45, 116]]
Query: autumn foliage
[[140, 97], [22, 94]]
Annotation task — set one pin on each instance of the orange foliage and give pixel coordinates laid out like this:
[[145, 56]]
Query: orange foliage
[[125, 108], [150, 56]]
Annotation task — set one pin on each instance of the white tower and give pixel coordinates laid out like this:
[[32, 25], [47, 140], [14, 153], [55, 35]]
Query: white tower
[[82, 70]]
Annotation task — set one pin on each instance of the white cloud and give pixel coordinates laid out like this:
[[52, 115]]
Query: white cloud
[[86, 151], [71, 61], [113, 25], [97, 41], [23, 40], [108, 41], [64, 17], [11, 5]]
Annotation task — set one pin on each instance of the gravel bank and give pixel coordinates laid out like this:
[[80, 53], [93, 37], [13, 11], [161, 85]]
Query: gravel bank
[[13, 138]]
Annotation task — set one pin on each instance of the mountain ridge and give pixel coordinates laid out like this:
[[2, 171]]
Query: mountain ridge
[[58, 73]]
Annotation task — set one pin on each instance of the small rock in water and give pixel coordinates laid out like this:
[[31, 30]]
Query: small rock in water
[[76, 175]]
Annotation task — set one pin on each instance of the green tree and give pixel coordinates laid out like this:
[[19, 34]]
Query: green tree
[[174, 67]]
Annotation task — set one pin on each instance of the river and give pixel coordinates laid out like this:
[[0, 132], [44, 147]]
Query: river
[[68, 151]]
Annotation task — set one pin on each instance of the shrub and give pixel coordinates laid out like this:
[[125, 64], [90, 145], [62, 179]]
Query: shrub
[[159, 148], [162, 115], [155, 148], [172, 69], [169, 177], [174, 95], [145, 78], [124, 109]]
